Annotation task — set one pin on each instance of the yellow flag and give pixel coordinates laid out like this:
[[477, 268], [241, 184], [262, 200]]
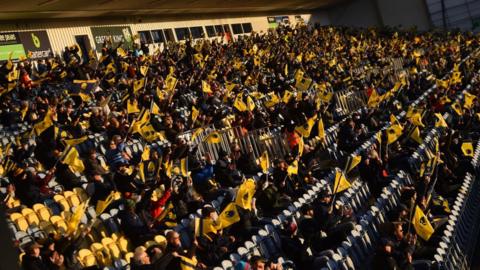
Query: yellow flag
[[170, 83], [457, 108], [293, 168], [287, 96], [184, 167], [213, 137], [467, 149], [321, 129], [306, 128], [138, 84], [195, 114], [210, 226], [245, 194], [286, 70], [132, 107], [143, 70], [121, 52], [352, 162], [340, 183], [195, 134], [44, 124], [416, 120], [74, 220], [440, 121], [229, 216], [445, 100], [373, 99], [298, 74], [264, 162], [442, 83], [206, 87], [146, 153], [250, 103], [149, 133], [154, 109], [393, 133], [468, 100], [421, 224], [73, 142], [72, 158], [303, 84], [325, 96], [415, 135], [102, 205], [239, 104], [273, 100]]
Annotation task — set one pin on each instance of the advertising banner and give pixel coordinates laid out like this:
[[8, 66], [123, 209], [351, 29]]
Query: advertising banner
[[10, 44], [36, 44], [116, 34]]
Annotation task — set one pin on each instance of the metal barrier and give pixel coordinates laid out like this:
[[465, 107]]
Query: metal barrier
[[268, 139], [348, 101]]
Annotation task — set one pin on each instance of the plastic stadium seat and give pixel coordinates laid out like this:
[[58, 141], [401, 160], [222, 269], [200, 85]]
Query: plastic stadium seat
[[101, 254], [59, 224], [72, 198], [20, 221], [31, 216], [86, 258], [60, 199], [128, 257], [123, 244], [112, 247]]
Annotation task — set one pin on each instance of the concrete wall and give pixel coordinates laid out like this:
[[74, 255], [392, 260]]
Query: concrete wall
[[407, 13], [366, 13], [359, 13]]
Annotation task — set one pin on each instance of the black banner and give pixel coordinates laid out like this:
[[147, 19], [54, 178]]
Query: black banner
[[36, 44], [115, 34], [9, 38]]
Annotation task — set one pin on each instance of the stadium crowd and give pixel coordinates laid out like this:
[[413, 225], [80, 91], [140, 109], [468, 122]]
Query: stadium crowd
[[110, 169]]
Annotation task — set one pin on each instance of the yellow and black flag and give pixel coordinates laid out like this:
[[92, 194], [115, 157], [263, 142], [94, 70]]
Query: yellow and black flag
[[72, 158], [264, 162], [352, 161], [341, 183], [229, 216], [415, 135], [306, 128], [293, 168], [440, 121], [393, 133], [245, 194], [421, 224], [213, 137], [467, 149], [457, 108], [468, 100]]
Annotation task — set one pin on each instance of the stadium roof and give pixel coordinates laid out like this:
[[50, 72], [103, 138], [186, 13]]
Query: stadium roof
[[51, 9]]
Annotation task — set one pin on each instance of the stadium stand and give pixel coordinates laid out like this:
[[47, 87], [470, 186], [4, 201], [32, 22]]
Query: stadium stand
[[305, 147]]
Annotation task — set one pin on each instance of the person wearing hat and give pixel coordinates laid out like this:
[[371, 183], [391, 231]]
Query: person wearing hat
[[32, 259]]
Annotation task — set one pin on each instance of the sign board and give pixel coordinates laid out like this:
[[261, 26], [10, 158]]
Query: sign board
[[10, 44], [36, 44], [116, 34]]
